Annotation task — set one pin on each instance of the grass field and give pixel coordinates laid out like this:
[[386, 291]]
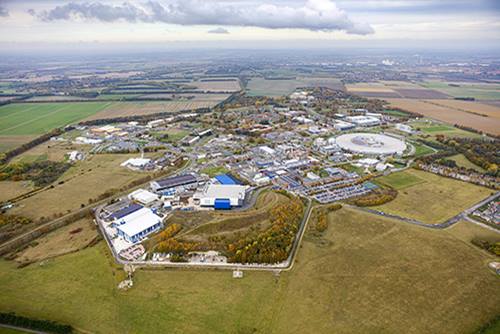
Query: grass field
[[434, 128], [421, 150], [87, 179], [67, 239], [11, 189], [366, 275], [38, 118], [430, 198], [462, 161], [480, 91], [400, 180], [263, 87]]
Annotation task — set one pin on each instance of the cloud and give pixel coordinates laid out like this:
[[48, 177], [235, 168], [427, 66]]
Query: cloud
[[219, 30], [3, 11], [315, 15]]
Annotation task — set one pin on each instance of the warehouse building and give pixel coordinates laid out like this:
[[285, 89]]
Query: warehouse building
[[221, 196], [364, 121], [137, 225], [174, 182], [143, 197], [226, 179]]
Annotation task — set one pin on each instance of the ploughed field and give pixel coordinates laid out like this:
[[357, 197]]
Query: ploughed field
[[365, 274]]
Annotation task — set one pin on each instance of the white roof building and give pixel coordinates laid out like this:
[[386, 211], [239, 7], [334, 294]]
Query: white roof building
[[363, 120], [135, 162], [143, 196], [137, 225], [234, 193], [267, 150], [342, 126]]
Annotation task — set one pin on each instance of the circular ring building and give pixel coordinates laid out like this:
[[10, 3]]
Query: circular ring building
[[370, 143]]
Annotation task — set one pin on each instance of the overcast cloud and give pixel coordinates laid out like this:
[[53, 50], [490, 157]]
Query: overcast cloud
[[219, 30], [3, 11], [314, 15]]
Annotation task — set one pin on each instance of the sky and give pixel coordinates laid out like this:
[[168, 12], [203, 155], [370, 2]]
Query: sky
[[397, 23]]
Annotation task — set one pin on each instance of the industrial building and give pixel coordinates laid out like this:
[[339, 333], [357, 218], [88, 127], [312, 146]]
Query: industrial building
[[174, 182], [364, 121], [143, 197], [135, 226], [222, 196], [226, 179]]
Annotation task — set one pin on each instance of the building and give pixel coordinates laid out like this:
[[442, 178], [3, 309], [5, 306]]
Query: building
[[75, 155], [174, 182], [343, 126], [137, 225], [364, 121], [404, 128], [222, 196], [226, 179], [267, 150], [143, 197], [136, 163]]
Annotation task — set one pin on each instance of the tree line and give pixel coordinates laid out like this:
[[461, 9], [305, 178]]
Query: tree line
[[35, 324]]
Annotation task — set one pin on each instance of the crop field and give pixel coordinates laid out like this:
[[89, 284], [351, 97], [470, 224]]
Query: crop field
[[87, 179], [212, 85], [432, 199], [38, 118], [480, 91], [449, 114], [394, 89], [118, 109], [362, 272], [470, 106], [279, 87]]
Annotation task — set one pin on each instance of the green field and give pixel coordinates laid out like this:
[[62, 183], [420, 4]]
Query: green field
[[421, 150], [428, 197], [478, 91], [400, 180], [433, 128], [39, 118], [462, 161], [366, 274]]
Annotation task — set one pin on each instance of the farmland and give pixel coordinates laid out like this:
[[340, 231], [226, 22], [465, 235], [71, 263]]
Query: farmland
[[480, 91], [361, 272], [35, 119], [279, 87], [21, 122], [450, 114], [118, 109], [394, 89], [430, 198]]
